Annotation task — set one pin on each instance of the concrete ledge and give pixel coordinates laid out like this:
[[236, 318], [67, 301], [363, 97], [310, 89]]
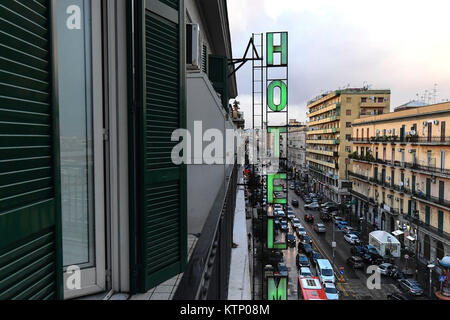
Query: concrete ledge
[[239, 284]]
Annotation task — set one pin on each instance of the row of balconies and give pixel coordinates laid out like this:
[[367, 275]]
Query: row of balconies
[[330, 164], [325, 120], [324, 152], [323, 131], [323, 141], [323, 109], [429, 140]]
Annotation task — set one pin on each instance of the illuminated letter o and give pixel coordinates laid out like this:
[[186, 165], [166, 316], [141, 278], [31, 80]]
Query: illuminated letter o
[[270, 91]]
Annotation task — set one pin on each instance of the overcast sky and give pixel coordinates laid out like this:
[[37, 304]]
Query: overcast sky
[[402, 45]]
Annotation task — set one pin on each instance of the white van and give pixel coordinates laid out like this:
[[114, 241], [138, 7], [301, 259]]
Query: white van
[[325, 271]]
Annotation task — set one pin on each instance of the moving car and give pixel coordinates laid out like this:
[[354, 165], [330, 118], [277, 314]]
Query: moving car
[[351, 238], [411, 286], [282, 269], [385, 268], [301, 231], [325, 271], [355, 262], [302, 260], [296, 223], [305, 272], [306, 239], [291, 240], [331, 291], [320, 228], [291, 215], [348, 230], [316, 256], [342, 224], [306, 248], [284, 226], [294, 203]]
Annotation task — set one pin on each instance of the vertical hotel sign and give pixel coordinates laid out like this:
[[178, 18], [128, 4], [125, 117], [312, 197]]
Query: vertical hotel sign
[[277, 107]]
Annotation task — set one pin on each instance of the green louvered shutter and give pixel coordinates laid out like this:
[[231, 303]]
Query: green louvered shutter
[[30, 267], [162, 191], [218, 75]]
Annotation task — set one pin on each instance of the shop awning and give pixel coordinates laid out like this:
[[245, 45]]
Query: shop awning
[[397, 233], [410, 238]]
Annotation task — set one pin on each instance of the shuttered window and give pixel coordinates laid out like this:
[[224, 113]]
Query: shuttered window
[[29, 237], [218, 75], [162, 191]]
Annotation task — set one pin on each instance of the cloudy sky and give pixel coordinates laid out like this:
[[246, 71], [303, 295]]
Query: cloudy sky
[[402, 45]]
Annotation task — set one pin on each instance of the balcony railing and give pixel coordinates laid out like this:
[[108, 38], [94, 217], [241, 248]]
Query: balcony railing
[[208, 270], [415, 220], [404, 139], [429, 198]]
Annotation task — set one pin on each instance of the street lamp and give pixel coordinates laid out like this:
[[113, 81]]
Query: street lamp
[[431, 266]]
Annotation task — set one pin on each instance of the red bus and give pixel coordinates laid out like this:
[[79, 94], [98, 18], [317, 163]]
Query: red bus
[[310, 288]]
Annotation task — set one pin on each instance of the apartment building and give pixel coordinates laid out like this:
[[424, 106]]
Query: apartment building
[[90, 95], [297, 146], [329, 131], [400, 173]]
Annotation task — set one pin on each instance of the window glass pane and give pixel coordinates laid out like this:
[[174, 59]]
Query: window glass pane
[[75, 115]]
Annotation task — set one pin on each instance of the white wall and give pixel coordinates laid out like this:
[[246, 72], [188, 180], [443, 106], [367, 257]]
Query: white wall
[[203, 181]]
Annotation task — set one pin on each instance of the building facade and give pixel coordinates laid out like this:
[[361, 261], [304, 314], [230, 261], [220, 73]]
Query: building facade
[[297, 146], [400, 172], [94, 91], [329, 131]]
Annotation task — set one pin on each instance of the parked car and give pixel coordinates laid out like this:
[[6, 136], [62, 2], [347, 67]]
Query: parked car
[[351, 238], [327, 204], [396, 273], [331, 291], [385, 268], [291, 240], [282, 269], [294, 203], [337, 219], [311, 206], [284, 226], [302, 260], [305, 272], [275, 257], [280, 214], [372, 258], [348, 230], [399, 296], [411, 286], [357, 250], [355, 262], [356, 233], [342, 224], [291, 187], [320, 228], [307, 200]]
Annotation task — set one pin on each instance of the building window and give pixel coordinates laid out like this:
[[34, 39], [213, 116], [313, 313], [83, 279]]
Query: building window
[[380, 100], [368, 133], [349, 100], [348, 149], [348, 137], [357, 133], [348, 124], [363, 100], [348, 112]]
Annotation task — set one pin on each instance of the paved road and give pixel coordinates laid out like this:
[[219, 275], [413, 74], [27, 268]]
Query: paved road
[[355, 285]]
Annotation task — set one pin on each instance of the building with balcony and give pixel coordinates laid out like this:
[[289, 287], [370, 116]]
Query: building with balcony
[[297, 146], [329, 130], [93, 92], [400, 173]]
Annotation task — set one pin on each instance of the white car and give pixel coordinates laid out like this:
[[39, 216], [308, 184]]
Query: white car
[[385, 268], [291, 215], [312, 206], [301, 231], [296, 223], [331, 291], [305, 272], [351, 238], [348, 229]]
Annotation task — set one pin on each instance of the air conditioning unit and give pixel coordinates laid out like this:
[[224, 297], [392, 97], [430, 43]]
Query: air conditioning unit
[[378, 131], [397, 199], [436, 122], [400, 184], [400, 149], [389, 196], [413, 132], [388, 178], [410, 151], [389, 131], [407, 182], [193, 45], [425, 123], [433, 179], [377, 193]]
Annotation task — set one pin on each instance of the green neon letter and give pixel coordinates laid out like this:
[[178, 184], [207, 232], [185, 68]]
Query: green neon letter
[[270, 95], [282, 49], [276, 139], [271, 188]]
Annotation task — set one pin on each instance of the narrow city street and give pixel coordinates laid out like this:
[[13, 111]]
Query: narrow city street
[[354, 287]]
